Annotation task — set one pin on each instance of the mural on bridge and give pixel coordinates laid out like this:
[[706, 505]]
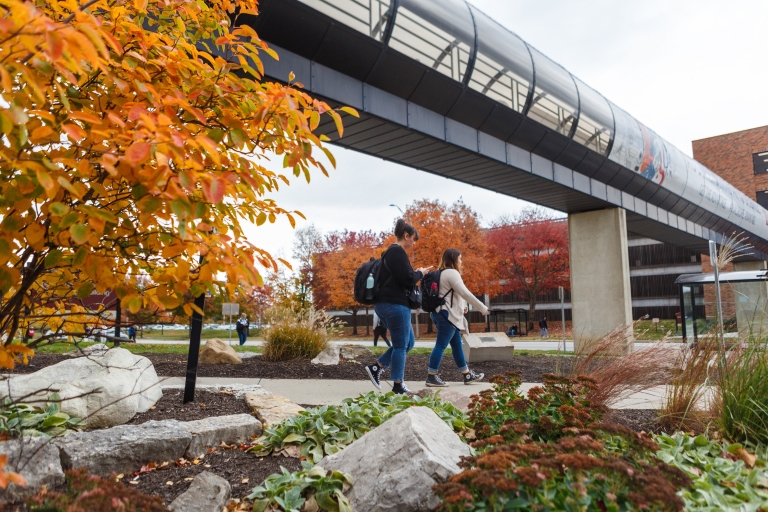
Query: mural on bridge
[[655, 156]]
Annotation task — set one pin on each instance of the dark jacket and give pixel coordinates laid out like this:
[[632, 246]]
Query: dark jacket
[[397, 276]]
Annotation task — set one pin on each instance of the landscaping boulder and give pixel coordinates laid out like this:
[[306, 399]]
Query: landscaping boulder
[[207, 493], [271, 409], [395, 465], [216, 351], [352, 352], [37, 460], [211, 432], [97, 349], [459, 400], [329, 356], [124, 449], [104, 389]]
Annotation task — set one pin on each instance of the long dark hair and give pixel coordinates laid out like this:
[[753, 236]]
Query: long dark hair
[[402, 227], [450, 259]]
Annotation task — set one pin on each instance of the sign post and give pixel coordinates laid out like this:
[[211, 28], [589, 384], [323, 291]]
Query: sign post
[[230, 308], [655, 323]]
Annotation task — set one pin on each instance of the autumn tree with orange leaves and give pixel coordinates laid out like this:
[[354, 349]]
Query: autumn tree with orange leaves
[[531, 254], [456, 226], [336, 263], [134, 135]]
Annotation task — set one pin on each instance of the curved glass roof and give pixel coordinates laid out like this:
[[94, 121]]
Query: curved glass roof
[[461, 42]]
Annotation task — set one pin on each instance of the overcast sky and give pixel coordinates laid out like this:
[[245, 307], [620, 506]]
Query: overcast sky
[[688, 69]]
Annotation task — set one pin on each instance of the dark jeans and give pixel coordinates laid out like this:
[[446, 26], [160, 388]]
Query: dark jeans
[[397, 319], [380, 331], [447, 333], [243, 336]]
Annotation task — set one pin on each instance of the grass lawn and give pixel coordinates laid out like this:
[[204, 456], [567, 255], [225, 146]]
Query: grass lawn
[[183, 334]]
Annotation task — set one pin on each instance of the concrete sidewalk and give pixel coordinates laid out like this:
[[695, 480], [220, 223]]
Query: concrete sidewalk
[[332, 392]]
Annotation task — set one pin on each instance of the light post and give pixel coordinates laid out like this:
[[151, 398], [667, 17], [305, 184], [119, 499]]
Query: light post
[[401, 210]]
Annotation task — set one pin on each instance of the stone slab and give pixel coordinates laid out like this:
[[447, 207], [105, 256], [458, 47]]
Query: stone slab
[[208, 493], [459, 400], [37, 460], [328, 357], [487, 346], [210, 432], [272, 409]]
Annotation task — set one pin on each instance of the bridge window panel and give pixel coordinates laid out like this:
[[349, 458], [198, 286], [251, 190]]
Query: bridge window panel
[[367, 16], [555, 101], [595, 126], [503, 69], [439, 34]]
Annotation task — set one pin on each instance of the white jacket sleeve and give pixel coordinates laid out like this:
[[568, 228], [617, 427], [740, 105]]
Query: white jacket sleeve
[[457, 284]]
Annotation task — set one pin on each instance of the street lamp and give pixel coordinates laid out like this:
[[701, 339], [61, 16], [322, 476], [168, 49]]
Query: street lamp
[[401, 210]]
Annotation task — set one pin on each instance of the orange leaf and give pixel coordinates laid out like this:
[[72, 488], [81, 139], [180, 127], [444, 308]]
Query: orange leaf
[[214, 190], [137, 153], [74, 132], [45, 180]]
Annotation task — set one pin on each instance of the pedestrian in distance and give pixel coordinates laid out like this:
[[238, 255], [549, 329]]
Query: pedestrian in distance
[[379, 331], [132, 333], [543, 328], [511, 331], [450, 320], [391, 305], [242, 328]]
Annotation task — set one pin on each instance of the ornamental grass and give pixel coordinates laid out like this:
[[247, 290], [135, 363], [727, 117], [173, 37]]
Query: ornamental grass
[[292, 335]]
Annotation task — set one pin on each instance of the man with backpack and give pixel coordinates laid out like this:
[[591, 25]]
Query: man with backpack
[[544, 332]]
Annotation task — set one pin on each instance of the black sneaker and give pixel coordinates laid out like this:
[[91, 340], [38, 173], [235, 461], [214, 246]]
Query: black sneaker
[[374, 373], [471, 376], [434, 381], [400, 388]]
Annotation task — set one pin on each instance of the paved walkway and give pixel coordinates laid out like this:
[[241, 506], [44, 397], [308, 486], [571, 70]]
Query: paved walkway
[[328, 391]]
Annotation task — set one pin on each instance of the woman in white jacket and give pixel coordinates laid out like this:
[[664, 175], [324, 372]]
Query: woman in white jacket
[[450, 321]]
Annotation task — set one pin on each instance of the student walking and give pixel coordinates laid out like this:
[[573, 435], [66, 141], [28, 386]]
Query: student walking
[[242, 328], [397, 277], [450, 320], [379, 330], [132, 333], [543, 327]]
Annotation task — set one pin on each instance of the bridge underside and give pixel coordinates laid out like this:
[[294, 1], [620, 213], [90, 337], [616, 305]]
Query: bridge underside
[[567, 192]]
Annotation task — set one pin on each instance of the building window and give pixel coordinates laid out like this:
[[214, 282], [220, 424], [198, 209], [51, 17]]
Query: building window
[[761, 164], [762, 198]]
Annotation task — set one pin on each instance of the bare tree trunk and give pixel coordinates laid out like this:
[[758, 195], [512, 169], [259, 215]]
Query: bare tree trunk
[[531, 311], [367, 325], [354, 322]]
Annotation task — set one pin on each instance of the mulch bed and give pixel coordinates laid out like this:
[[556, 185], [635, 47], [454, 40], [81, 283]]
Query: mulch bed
[[242, 470], [175, 365], [206, 405], [640, 420]]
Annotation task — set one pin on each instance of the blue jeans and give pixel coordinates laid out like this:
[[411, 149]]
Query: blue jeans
[[447, 333], [396, 318], [242, 335]]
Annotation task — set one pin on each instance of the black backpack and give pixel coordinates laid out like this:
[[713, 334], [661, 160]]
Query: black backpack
[[363, 293], [430, 292]]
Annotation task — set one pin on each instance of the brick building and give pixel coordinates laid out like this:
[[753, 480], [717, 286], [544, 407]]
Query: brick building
[[741, 158]]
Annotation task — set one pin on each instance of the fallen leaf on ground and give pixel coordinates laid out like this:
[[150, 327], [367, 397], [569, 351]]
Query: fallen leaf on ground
[[182, 462], [168, 483], [748, 458], [245, 480], [189, 478]]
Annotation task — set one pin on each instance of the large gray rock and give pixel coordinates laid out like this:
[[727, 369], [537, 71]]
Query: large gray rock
[[459, 400], [210, 432], [329, 356], [488, 346], [104, 389], [351, 351], [35, 459], [208, 493], [395, 465], [125, 448]]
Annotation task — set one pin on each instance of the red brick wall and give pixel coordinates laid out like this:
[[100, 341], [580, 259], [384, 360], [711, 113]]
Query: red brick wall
[[730, 156]]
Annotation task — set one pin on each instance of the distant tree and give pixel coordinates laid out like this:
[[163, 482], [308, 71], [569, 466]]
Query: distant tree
[[343, 252], [285, 290], [456, 226], [531, 254], [307, 242]]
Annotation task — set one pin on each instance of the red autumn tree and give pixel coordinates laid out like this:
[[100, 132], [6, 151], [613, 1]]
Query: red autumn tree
[[531, 253], [335, 265]]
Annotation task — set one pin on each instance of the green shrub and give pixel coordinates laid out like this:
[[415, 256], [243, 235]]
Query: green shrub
[[326, 430], [18, 419], [90, 493], [546, 415], [295, 335], [742, 394], [321, 489], [720, 480], [603, 468]]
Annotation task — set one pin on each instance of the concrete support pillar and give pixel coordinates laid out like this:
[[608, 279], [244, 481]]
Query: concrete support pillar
[[751, 303], [600, 290]]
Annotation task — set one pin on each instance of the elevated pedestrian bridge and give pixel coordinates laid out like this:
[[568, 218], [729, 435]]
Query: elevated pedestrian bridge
[[443, 88]]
